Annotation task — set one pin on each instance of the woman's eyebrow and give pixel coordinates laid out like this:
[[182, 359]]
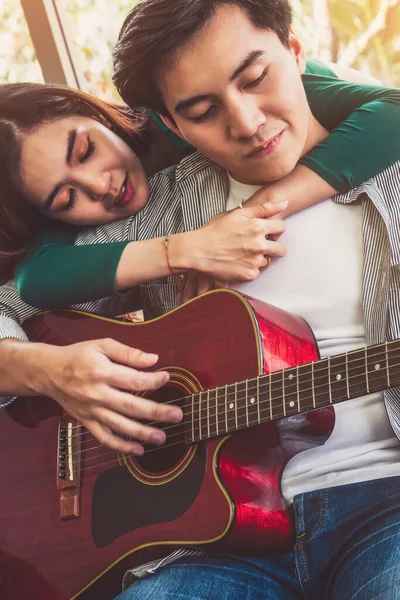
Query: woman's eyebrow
[[70, 148], [70, 144]]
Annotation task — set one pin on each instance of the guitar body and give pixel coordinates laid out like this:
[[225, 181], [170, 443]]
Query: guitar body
[[224, 492]]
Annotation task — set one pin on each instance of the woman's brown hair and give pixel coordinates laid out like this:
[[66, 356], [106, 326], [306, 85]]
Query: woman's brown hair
[[24, 106]]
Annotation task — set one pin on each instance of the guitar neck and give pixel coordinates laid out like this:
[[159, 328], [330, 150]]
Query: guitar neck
[[291, 391]]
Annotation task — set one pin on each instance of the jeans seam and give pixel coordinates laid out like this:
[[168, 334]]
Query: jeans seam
[[323, 513]]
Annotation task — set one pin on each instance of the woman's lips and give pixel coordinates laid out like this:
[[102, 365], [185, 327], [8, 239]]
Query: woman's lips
[[127, 193]]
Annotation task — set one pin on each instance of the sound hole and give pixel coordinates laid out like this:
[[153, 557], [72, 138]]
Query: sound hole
[[157, 460]]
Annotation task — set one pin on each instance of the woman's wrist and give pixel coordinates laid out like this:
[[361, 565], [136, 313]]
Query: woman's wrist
[[23, 369]]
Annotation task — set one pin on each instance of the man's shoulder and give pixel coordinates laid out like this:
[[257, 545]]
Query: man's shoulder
[[386, 184]]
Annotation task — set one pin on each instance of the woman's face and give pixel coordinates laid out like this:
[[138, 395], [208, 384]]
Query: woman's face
[[76, 170]]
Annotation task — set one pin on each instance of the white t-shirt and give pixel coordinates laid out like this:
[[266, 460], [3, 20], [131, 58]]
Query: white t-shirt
[[320, 280]]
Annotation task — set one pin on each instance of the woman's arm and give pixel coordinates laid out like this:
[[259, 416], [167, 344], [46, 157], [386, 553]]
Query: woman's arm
[[231, 247], [364, 121]]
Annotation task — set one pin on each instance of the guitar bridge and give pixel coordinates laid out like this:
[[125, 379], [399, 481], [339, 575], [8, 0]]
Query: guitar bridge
[[68, 466]]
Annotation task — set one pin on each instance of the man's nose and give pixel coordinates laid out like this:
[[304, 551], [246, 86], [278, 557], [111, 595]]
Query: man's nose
[[245, 119]]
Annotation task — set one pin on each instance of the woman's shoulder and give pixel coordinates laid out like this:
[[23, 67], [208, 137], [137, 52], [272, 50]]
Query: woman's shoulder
[[191, 169]]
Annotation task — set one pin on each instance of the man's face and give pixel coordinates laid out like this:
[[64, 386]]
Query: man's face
[[235, 93]]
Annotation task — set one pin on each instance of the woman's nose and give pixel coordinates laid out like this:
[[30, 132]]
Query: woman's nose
[[98, 184]]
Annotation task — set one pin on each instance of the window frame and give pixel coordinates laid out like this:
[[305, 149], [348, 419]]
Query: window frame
[[52, 40]]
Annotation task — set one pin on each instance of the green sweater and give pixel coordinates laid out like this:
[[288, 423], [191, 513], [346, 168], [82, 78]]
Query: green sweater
[[364, 122]]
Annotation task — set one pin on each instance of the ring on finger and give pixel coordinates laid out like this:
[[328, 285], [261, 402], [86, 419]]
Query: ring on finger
[[268, 259]]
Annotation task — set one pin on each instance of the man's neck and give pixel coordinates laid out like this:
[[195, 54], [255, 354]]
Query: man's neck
[[316, 134]]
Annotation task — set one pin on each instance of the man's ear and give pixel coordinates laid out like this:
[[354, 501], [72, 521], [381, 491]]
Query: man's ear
[[171, 125], [296, 48]]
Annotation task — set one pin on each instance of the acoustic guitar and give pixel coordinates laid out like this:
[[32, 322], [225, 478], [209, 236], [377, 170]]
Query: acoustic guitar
[[75, 515]]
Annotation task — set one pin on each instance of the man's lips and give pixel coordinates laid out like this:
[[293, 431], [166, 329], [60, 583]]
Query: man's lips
[[265, 148]]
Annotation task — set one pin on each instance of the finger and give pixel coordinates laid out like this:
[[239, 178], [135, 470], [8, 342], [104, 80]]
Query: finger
[[142, 408], [181, 286], [275, 249], [222, 284], [262, 211], [126, 378], [205, 284], [274, 227], [190, 289], [122, 425], [126, 355], [107, 438]]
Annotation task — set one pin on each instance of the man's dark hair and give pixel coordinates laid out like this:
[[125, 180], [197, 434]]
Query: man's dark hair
[[154, 29]]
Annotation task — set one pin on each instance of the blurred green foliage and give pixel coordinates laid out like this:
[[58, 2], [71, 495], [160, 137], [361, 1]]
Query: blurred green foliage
[[363, 34]]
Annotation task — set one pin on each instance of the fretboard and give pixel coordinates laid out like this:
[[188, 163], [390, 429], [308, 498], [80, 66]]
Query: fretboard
[[295, 390]]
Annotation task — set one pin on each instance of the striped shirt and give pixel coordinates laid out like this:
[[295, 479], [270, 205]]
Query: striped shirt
[[188, 195]]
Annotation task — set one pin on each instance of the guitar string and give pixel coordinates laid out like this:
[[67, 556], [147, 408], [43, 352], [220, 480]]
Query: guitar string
[[230, 420], [279, 373], [269, 401]]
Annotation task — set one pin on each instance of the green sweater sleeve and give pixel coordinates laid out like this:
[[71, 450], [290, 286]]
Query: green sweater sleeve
[[363, 120], [57, 273]]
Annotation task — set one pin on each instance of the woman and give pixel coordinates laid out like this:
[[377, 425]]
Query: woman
[[100, 376]]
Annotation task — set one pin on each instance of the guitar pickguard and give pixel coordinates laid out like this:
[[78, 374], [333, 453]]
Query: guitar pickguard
[[122, 503]]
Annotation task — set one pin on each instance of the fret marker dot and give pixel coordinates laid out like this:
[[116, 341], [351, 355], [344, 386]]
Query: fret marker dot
[[291, 404], [291, 376], [231, 405], [338, 377], [377, 367], [252, 400]]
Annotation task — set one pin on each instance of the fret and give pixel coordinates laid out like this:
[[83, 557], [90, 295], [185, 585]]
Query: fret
[[347, 375], [276, 406], [200, 423], [313, 385], [366, 369], [216, 412], [377, 367], [270, 396], [387, 364], [305, 390], [357, 373], [241, 405], [226, 409], [283, 393], [208, 413], [258, 400], [338, 378], [290, 393], [193, 438], [329, 379], [247, 408], [236, 411]]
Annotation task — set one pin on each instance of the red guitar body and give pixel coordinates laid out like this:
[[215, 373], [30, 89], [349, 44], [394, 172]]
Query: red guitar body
[[224, 492]]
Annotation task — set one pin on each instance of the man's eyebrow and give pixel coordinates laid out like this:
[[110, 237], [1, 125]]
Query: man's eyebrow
[[245, 64], [70, 147], [184, 104]]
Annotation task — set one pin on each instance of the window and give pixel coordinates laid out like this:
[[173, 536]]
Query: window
[[18, 61], [94, 27]]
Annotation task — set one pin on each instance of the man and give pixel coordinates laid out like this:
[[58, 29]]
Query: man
[[226, 76]]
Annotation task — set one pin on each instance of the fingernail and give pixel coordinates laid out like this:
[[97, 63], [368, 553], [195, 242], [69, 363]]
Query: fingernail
[[174, 415], [152, 356], [138, 451], [282, 204], [158, 437]]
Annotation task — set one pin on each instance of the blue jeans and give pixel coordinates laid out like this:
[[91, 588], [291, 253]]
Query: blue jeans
[[347, 548]]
